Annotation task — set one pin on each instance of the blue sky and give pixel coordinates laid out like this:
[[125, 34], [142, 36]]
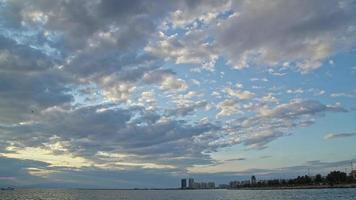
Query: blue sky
[[143, 93]]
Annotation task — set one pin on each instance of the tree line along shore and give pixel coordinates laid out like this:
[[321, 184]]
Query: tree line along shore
[[334, 179]]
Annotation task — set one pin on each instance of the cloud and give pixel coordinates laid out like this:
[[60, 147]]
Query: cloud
[[296, 91], [272, 33], [116, 90], [269, 98], [191, 13], [87, 40], [228, 107], [235, 159], [26, 173], [331, 136], [190, 50], [16, 171], [299, 108], [166, 79], [243, 95], [134, 132], [103, 85], [187, 109], [16, 57], [269, 124], [341, 95], [30, 81]]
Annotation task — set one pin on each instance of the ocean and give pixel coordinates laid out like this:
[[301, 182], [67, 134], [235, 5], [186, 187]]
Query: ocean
[[56, 194]]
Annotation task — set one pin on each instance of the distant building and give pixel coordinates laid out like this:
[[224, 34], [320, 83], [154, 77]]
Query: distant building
[[234, 184], [191, 183], [224, 186], [203, 185], [253, 180], [211, 185], [353, 174], [245, 182], [196, 185], [184, 183]]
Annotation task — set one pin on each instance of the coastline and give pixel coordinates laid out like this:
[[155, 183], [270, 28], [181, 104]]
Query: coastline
[[298, 187]]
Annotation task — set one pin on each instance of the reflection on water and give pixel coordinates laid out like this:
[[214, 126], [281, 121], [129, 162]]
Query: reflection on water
[[324, 194]]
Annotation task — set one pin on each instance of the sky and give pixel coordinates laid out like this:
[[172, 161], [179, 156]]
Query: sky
[[123, 94]]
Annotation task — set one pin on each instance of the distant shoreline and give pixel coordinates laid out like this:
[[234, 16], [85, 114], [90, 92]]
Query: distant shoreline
[[297, 187], [248, 188], [242, 188]]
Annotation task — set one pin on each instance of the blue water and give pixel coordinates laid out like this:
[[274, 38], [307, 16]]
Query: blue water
[[324, 194]]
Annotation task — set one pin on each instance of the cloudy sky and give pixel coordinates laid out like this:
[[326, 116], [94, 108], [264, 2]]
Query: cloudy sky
[[120, 94]]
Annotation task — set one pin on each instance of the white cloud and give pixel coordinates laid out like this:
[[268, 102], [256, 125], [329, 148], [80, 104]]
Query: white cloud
[[115, 90], [271, 123], [191, 49], [341, 94], [172, 83], [227, 108], [269, 98], [296, 91], [240, 94], [204, 12], [148, 98]]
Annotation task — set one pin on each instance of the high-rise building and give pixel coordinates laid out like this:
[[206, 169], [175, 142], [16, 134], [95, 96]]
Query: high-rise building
[[253, 180], [191, 183], [184, 184]]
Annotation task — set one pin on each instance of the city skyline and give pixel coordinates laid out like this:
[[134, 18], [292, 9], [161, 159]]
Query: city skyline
[[138, 94]]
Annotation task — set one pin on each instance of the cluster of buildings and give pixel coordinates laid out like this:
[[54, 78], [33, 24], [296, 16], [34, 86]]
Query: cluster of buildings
[[235, 184], [190, 184]]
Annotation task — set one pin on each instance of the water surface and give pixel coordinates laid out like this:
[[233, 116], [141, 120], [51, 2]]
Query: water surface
[[309, 194]]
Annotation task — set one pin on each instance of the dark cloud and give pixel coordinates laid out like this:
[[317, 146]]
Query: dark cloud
[[15, 171], [235, 159], [29, 82], [89, 130], [20, 58]]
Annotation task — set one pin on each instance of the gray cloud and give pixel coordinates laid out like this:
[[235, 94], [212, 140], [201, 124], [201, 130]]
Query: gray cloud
[[89, 130], [29, 81], [186, 109], [331, 136], [166, 79], [15, 171], [271, 33], [235, 159], [15, 57]]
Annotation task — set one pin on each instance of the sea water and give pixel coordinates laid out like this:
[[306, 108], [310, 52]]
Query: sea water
[[54, 194]]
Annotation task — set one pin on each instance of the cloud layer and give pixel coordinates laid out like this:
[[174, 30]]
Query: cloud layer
[[136, 88]]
